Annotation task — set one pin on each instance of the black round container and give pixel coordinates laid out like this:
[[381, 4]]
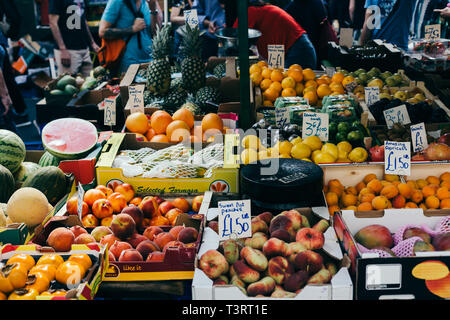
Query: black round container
[[295, 184]]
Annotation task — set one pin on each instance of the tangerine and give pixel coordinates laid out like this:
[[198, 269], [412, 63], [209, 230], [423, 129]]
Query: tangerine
[[265, 84], [160, 120], [137, 122], [161, 138], [338, 77], [178, 131], [212, 121], [311, 97], [323, 90], [295, 74], [276, 86], [308, 74], [276, 76], [288, 92]]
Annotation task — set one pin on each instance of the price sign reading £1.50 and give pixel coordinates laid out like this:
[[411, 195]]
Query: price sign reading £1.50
[[234, 219], [275, 56], [315, 124], [397, 158]]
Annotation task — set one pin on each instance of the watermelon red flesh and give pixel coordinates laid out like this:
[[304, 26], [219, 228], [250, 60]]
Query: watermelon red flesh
[[69, 138]]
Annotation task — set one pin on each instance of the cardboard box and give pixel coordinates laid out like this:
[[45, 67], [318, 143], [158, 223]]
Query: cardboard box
[[377, 277], [59, 100], [340, 288], [88, 287], [14, 233], [229, 178]]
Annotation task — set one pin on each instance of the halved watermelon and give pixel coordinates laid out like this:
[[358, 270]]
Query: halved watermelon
[[69, 138]]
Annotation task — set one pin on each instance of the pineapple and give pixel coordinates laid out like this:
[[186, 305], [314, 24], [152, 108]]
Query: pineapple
[[158, 71], [205, 95], [174, 99], [192, 107], [219, 70], [193, 71]]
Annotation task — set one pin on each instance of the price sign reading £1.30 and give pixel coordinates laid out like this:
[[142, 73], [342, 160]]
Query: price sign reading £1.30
[[110, 112], [315, 124], [275, 56], [234, 219], [397, 158]]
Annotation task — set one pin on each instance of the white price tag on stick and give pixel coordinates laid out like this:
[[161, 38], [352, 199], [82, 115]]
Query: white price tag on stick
[[136, 98], [110, 111], [282, 116], [432, 31], [397, 158], [191, 18], [275, 56], [235, 219], [371, 95], [396, 115], [80, 199], [346, 37], [419, 137], [315, 124]]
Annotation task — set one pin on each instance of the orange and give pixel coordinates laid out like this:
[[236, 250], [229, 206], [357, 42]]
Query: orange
[[309, 89], [432, 202], [256, 78], [288, 92], [295, 74], [428, 191], [160, 120], [338, 77], [255, 68], [271, 94], [347, 80], [276, 86], [266, 73], [276, 76], [417, 196], [351, 190], [140, 137], [331, 198], [389, 191], [308, 74], [150, 134], [288, 82], [333, 209], [445, 204], [323, 90], [337, 190], [262, 63], [410, 205], [265, 84], [442, 193], [365, 206], [312, 97], [375, 185], [405, 190], [337, 87], [295, 66], [349, 199], [137, 122], [267, 103], [299, 87], [445, 176], [161, 138], [212, 121], [361, 185], [325, 79], [322, 81], [368, 197], [311, 83], [380, 203], [177, 131], [368, 177]]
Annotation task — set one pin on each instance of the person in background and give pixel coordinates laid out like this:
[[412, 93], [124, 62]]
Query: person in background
[[279, 27], [177, 19], [119, 22], [311, 15], [72, 36], [445, 12], [356, 14], [395, 21], [425, 14], [211, 16], [5, 100], [339, 10]]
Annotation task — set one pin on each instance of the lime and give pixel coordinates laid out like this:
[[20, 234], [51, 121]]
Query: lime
[[341, 136], [300, 151]]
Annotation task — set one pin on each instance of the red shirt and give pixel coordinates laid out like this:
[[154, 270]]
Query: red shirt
[[276, 26]]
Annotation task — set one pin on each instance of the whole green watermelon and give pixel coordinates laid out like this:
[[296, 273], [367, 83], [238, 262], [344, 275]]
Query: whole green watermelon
[[25, 170], [47, 159], [7, 184], [50, 180], [12, 150]]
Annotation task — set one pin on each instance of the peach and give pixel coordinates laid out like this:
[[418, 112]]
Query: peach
[[77, 230], [230, 248], [213, 264], [90, 221], [281, 234], [172, 215], [221, 280], [99, 232], [310, 238], [156, 256], [118, 201], [111, 257], [175, 231], [266, 217], [135, 239], [152, 231], [106, 190], [72, 207], [187, 235], [92, 195], [173, 244], [61, 239], [165, 207], [136, 201], [159, 200], [197, 203], [259, 225], [254, 258], [279, 268], [108, 240], [161, 239], [130, 255], [321, 277], [275, 247], [146, 247], [256, 241], [282, 222], [294, 248], [118, 247], [123, 226], [264, 287], [322, 225], [296, 281], [295, 217], [84, 238], [126, 190], [309, 261], [106, 222], [149, 206], [102, 208], [245, 272], [135, 212], [182, 204]]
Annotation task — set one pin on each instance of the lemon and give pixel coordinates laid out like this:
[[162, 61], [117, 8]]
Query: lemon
[[324, 157], [248, 156], [343, 160], [358, 155], [313, 142], [263, 154], [345, 146], [296, 140], [331, 149], [314, 154], [285, 147], [285, 155], [342, 154], [300, 151], [306, 159], [251, 141]]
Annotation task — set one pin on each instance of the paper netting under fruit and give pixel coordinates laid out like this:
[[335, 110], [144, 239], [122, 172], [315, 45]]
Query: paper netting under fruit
[[442, 227], [210, 155], [381, 253], [404, 248], [175, 169]]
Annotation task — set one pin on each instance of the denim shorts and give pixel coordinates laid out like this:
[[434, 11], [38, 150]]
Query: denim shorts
[[302, 52]]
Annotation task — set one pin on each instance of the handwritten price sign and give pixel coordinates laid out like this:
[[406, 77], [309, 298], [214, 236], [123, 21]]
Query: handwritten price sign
[[110, 111], [80, 199], [396, 115], [275, 56], [433, 31], [372, 95], [234, 219], [315, 124], [282, 117], [136, 98], [346, 37], [191, 18], [397, 158], [419, 137]]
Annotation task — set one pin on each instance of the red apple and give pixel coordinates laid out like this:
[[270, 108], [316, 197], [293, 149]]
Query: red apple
[[311, 239]]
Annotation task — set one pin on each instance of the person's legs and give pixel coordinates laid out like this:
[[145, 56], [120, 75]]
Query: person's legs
[[302, 52], [210, 47], [86, 62]]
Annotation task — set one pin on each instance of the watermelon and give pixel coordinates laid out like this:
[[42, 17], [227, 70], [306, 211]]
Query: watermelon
[[69, 138], [26, 169], [7, 185], [47, 159], [12, 150], [51, 181]]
